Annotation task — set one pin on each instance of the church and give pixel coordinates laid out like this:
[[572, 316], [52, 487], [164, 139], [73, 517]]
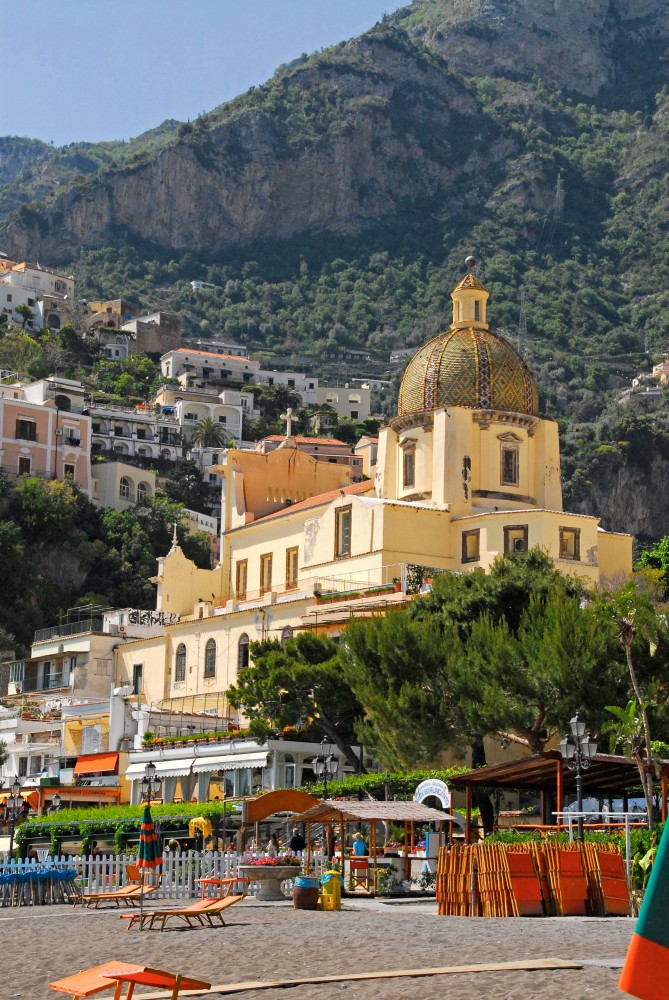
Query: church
[[467, 471]]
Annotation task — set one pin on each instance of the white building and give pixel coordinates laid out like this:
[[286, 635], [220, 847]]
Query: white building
[[48, 293], [208, 368]]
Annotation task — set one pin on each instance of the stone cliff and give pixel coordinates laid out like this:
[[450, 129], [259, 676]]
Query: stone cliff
[[342, 140]]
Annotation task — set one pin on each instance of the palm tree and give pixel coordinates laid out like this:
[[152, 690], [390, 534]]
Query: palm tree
[[209, 434], [635, 615]]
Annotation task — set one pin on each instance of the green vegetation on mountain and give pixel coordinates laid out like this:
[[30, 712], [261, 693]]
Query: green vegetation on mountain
[[58, 551], [333, 207]]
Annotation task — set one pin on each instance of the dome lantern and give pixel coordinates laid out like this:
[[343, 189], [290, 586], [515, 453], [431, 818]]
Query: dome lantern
[[468, 365]]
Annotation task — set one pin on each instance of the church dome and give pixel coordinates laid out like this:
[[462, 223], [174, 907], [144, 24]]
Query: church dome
[[468, 365]]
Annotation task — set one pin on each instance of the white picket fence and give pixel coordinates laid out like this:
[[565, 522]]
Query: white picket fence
[[180, 872]]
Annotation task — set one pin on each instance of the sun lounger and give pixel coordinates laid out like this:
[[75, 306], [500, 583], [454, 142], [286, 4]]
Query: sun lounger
[[127, 895], [112, 976], [204, 912]]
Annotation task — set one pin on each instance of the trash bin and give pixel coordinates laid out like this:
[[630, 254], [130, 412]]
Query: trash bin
[[331, 886], [305, 893]]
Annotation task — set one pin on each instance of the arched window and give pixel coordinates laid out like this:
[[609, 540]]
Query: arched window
[[180, 664], [124, 488], [63, 403], [210, 659], [243, 652], [286, 634], [142, 492]]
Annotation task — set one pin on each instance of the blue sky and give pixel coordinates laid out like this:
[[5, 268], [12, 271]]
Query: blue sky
[[110, 69]]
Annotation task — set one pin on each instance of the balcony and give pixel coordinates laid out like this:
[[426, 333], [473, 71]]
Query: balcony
[[26, 435], [70, 628]]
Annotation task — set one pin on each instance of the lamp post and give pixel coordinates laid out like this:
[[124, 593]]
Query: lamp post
[[12, 811], [578, 750], [55, 803], [325, 765], [151, 786]]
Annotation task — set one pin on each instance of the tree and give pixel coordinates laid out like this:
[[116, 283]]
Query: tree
[[275, 399], [510, 654], [26, 314], [635, 614], [294, 683], [209, 434], [3, 753]]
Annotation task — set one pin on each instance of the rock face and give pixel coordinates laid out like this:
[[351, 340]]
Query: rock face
[[347, 137], [576, 45], [630, 497]]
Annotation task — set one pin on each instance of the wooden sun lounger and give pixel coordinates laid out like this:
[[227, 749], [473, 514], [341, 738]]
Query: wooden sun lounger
[[128, 896], [204, 912]]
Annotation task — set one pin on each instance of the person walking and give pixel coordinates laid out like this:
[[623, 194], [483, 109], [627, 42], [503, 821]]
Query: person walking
[[297, 841]]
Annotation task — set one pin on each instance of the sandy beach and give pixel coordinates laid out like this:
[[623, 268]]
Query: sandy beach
[[274, 941]]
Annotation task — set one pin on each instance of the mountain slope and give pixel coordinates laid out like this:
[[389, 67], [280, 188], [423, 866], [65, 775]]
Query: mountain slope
[[334, 206]]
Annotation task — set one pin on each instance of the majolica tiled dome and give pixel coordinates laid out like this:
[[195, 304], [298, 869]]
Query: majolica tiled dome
[[471, 367]]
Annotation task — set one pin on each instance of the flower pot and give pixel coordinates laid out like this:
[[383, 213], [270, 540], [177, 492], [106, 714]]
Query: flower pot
[[269, 879]]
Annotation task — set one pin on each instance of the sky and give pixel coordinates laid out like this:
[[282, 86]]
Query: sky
[[87, 70]]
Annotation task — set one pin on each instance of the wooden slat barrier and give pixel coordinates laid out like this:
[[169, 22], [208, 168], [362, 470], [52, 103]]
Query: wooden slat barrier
[[532, 879]]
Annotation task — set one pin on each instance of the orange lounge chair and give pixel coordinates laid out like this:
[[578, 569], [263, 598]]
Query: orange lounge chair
[[203, 912], [128, 894], [112, 975]]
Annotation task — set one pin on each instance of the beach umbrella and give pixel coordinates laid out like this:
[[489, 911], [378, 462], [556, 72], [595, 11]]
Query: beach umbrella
[[149, 855]]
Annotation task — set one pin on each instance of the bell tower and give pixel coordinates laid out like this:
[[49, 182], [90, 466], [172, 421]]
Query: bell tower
[[470, 300]]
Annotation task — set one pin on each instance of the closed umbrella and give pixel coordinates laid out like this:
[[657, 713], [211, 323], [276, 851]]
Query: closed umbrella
[[149, 855]]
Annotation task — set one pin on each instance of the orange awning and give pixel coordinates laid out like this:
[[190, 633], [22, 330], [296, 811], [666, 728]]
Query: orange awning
[[28, 796], [93, 763]]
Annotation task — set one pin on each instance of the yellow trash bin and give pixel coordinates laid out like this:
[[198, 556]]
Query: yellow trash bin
[[331, 886]]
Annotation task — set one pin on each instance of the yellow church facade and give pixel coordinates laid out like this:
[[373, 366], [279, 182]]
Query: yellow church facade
[[466, 472]]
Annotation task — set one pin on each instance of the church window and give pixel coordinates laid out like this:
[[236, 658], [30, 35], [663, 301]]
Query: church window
[[210, 658], [471, 543], [265, 573], [241, 574], [477, 311], [515, 539], [343, 517], [180, 664], [243, 652], [291, 568], [510, 465], [409, 467], [570, 543]]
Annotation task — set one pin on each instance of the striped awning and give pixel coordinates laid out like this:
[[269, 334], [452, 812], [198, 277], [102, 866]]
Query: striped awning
[[230, 762], [164, 768]]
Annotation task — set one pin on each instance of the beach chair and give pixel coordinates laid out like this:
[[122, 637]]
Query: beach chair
[[203, 913], [113, 975], [127, 895], [359, 874]]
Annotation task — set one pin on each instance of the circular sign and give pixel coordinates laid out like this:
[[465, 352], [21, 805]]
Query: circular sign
[[436, 788]]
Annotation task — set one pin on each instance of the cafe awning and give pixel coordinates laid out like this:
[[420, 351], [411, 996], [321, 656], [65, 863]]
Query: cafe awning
[[164, 768], [230, 762], [96, 763]]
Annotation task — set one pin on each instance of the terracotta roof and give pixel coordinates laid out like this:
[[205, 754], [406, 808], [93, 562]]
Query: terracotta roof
[[212, 354], [319, 500], [306, 440]]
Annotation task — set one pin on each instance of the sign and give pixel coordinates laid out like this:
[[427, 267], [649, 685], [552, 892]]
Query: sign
[[433, 788]]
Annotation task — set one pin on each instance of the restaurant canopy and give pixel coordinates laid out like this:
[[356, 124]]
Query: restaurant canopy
[[350, 811], [341, 812], [608, 775]]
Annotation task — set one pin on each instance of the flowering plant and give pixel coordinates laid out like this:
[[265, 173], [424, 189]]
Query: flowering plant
[[282, 861]]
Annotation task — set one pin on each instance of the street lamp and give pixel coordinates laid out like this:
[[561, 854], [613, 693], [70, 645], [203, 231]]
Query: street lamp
[[55, 803], [150, 784], [12, 811], [325, 765], [577, 751]]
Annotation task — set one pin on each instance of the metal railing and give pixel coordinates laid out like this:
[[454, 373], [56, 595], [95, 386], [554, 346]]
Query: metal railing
[[70, 628]]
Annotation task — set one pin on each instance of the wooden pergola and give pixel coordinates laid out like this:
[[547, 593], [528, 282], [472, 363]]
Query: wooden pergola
[[341, 813], [546, 772]]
